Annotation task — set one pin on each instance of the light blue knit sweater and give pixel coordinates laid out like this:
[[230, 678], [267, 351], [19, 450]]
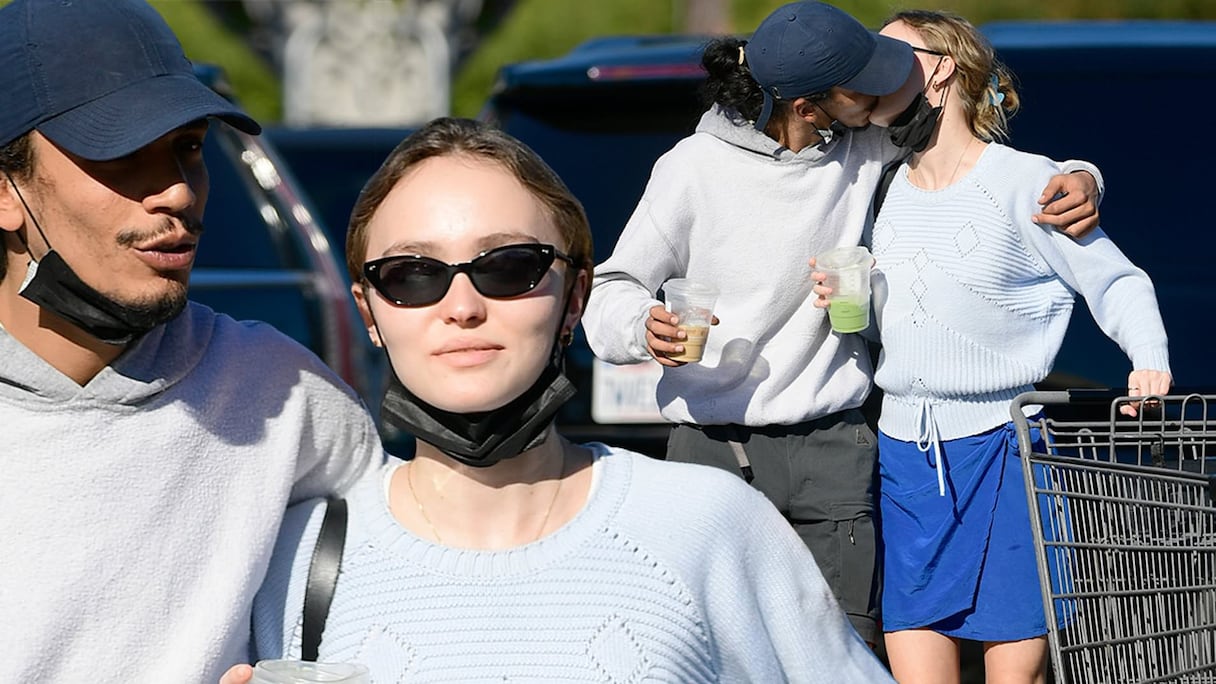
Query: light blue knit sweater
[[972, 298], [670, 573]]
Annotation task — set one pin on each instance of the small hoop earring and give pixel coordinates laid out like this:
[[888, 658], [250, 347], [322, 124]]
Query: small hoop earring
[[567, 338]]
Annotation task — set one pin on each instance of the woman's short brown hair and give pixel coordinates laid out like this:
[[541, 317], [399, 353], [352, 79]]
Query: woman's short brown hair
[[450, 137]]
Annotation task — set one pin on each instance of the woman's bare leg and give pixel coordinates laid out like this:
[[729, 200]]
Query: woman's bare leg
[[922, 656], [1016, 662]]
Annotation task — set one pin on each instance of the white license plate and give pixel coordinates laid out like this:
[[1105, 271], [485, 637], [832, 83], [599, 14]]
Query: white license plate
[[625, 394]]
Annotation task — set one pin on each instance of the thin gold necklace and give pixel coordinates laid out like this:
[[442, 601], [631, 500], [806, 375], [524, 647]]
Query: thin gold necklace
[[959, 163], [409, 480], [953, 173]]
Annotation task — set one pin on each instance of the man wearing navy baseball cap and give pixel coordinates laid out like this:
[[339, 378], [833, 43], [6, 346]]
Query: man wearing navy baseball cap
[[808, 48], [782, 167], [100, 80], [150, 445]]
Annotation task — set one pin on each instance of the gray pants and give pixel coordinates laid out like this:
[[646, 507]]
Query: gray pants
[[822, 475]]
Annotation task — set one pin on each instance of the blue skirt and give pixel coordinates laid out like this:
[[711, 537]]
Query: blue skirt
[[962, 564]]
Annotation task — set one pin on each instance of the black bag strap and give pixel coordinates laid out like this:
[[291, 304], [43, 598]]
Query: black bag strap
[[323, 575], [884, 184]]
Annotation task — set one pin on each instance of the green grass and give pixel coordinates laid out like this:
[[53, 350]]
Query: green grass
[[538, 29], [205, 40]]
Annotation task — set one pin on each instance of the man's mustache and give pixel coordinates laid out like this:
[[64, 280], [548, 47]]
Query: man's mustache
[[129, 238]]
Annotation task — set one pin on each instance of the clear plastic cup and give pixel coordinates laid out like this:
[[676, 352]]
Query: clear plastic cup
[[303, 672], [694, 303], [848, 274]]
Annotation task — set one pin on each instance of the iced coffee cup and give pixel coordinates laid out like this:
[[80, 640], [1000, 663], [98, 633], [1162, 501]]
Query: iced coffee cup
[[848, 274], [694, 303], [304, 672]]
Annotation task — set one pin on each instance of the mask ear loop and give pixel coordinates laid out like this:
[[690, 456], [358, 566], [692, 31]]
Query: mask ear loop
[[929, 81], [25, 243], [826, 135], [564, 337], [368, 293]]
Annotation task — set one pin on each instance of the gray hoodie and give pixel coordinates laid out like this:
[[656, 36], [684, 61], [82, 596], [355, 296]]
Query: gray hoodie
[[730, 206], [138, 512]]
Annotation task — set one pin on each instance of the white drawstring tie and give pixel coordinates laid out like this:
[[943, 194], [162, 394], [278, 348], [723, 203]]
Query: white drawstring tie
[[930, 439]]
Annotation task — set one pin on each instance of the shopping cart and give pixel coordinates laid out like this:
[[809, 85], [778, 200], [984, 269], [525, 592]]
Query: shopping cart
[[1124, 518]]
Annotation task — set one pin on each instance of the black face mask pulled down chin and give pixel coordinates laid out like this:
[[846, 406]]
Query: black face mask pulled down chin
[[53, 285], [914, 127], [485, 438]]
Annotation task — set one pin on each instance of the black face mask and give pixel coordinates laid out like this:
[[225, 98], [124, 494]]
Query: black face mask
[[53, 285], [485, 438], [914, 127]]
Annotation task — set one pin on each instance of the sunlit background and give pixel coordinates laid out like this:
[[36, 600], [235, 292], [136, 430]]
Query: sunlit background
[[462, 43]]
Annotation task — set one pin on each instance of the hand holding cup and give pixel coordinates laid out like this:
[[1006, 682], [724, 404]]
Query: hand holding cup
[[843, 277], [677, 331]]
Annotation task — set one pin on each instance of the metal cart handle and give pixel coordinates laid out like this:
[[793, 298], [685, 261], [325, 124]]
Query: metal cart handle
[[1075, 396], [1016, 412]]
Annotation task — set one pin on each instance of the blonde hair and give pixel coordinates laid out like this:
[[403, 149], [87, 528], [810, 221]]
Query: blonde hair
[[985, 86]]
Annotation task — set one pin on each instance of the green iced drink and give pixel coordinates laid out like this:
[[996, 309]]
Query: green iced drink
[[849, 317]]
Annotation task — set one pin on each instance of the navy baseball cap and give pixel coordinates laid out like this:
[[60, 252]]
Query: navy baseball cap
[[805, 48], [99, 78]]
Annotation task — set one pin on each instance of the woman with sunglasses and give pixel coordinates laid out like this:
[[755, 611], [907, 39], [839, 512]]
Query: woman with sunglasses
[[972, 300], [501, 550]]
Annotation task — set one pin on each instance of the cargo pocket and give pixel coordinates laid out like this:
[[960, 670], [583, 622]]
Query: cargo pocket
[[857, 582]]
